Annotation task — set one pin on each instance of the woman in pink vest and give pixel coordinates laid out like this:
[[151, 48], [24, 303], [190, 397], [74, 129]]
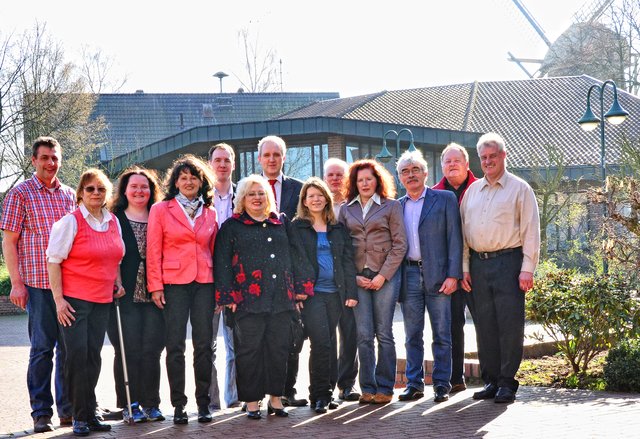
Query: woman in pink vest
[[84, 253], [180, 238]]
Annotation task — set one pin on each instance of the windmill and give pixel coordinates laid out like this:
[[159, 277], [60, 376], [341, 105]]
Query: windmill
[[563, 55]]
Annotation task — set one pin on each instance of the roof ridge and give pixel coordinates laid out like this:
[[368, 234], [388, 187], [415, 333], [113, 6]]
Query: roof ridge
[[470, 105], [368, 98]]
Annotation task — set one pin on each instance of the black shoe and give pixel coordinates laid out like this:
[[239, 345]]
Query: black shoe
[[292, 401], [95, 425], [505, 395], [42, 424], [458, 387], [441, 394], [179, 415], [347, 394], [410, 393], [81, 428], [104, 414], [277, 411], [204, 415], [321, 406], [254, 414], [488, 392]]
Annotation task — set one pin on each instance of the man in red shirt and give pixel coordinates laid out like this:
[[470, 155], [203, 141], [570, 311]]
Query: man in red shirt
[[29, 211]]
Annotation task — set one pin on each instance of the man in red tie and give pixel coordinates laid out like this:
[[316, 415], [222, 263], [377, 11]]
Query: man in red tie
[[272, 152]]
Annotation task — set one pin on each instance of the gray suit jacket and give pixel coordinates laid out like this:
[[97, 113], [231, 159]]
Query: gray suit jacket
[[440, 236], [379, 239]]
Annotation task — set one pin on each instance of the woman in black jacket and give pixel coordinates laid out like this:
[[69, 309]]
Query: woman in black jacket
[[255, 279], [142, 321], [327, 245]]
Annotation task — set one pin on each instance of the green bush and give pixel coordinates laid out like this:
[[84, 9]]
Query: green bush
[[5, 282], [583, 313], [622, 367]]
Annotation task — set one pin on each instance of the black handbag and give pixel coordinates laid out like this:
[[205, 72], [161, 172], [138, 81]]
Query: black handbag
[[297, 332]]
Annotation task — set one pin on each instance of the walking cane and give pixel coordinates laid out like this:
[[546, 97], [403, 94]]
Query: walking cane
[[124, 360]]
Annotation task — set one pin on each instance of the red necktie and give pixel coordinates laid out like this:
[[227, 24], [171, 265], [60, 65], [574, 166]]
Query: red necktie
[[273, 187]]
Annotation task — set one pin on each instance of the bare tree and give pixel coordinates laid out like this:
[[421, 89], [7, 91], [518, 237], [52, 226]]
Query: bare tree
[[43, 94], [260, 65], [96, 68]]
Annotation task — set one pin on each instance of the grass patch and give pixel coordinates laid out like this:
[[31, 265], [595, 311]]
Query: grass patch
[[554, 371], [5, 282]]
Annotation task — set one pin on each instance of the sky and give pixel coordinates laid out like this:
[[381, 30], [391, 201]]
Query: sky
[[350, 47]]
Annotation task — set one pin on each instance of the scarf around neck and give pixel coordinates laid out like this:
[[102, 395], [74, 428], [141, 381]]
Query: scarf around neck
[[190, 206]]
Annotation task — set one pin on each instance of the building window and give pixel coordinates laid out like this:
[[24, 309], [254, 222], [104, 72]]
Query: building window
[[302, 161]]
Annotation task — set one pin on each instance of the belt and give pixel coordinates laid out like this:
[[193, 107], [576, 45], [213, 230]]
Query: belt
[[489, 255], [413, 263]]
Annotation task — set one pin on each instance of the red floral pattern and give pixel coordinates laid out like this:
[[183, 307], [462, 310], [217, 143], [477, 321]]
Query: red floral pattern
[[308, 288], [237, 296], [257, 274], [254, 289]]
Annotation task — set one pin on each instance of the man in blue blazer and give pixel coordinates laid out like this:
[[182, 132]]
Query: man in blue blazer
[[430, 274], [272, 152]]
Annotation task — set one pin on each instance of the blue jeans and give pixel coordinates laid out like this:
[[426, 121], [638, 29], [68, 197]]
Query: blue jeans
[[230, 389], [374, 320], [439, 308], [45, 335]]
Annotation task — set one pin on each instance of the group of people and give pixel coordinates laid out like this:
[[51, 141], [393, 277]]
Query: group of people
[[272, 260]]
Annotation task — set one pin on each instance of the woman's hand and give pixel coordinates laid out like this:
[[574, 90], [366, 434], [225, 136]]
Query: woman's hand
[[350, 303], [65, 312], [158, 298], [363, 282], [301, 297], [232, 307], [118, 291], [377, 282]]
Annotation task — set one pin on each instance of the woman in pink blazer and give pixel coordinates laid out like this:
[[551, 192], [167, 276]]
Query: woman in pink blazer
[[180, 238]]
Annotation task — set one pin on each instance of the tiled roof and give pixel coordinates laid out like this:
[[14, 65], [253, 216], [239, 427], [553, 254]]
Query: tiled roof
[[527, 113], [139, 119]]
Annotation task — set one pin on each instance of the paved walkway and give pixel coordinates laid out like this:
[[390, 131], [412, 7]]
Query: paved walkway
[[538, 412]]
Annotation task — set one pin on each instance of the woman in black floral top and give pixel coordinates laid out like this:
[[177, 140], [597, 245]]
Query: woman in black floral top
[[255, 279], [142, 321]]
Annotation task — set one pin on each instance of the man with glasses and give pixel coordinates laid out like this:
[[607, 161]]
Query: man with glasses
[[430, 274], [29, 211], [501, 247]]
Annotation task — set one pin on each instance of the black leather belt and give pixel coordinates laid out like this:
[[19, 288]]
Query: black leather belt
[[413, 263], [489, 255]]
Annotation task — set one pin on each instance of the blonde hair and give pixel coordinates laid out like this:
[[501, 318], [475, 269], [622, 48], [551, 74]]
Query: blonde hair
[[303, 212], [244, 186]]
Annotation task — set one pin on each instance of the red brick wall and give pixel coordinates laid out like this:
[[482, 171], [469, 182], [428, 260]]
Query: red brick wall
[[337, 145]]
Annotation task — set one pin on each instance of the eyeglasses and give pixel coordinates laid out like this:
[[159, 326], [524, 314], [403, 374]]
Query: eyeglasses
[[92, 189], [412, 171]]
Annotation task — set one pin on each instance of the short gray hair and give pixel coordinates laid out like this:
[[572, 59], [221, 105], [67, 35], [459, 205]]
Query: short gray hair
[[333, 161], [275, 139], [412, 158], [454, 147], [491, 138]]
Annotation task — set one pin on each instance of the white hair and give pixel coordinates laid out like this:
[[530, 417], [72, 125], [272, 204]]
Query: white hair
[[491, 138], [273, 139], [333, 161], [411, 158]]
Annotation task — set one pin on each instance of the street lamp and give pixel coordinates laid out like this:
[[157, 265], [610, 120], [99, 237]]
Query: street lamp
[[616, 115], [385, 155], [220, 76], [588, 122]]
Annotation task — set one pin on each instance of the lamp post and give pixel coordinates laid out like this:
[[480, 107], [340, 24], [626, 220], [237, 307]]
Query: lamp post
[[588, 122], [385, 155], [220, 76]]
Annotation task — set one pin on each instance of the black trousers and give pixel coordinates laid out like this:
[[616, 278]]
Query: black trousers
[[293, 364], [83, 342], [458, 320], [143, 336], [262, 342], [320, 315], [348, 353], [498, 313], [195, 302]]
